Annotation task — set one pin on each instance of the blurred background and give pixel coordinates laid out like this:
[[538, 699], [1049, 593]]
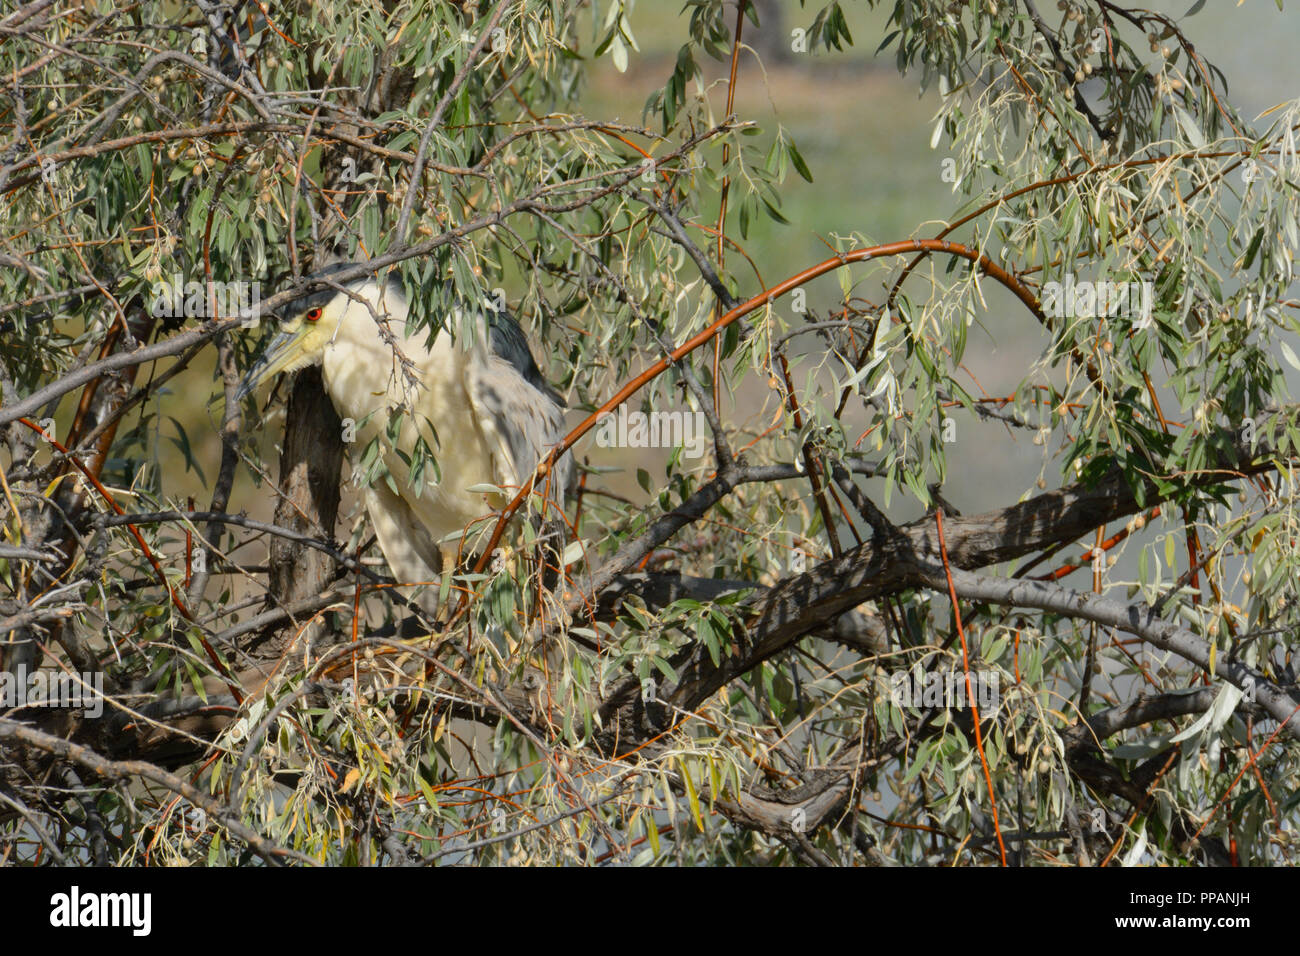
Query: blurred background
[[865, 132]]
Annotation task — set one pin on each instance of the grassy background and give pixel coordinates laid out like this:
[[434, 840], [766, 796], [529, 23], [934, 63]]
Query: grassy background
[[865, 131]]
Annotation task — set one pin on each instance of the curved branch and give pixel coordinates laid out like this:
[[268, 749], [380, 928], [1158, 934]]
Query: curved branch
[[990, 268]]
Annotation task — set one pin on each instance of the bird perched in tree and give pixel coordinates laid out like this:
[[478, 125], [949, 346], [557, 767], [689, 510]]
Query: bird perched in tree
[[448, 416]]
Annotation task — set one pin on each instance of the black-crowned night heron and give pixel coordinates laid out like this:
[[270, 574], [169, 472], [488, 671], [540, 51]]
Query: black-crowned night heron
[[480, 406]]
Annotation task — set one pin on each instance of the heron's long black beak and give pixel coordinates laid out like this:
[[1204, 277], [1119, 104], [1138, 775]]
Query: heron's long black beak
[[280, 354]]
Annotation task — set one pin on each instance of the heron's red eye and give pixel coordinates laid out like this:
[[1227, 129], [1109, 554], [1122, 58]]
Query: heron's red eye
[[313, 315]]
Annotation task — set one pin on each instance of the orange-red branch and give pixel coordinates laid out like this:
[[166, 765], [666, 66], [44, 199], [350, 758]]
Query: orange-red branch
[[987, 265]]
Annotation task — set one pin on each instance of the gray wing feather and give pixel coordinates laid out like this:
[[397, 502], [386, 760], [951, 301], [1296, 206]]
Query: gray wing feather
[[522, 423], [509, 342]]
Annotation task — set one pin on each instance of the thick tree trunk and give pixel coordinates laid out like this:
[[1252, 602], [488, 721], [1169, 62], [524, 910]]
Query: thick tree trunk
[[310, 462]]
